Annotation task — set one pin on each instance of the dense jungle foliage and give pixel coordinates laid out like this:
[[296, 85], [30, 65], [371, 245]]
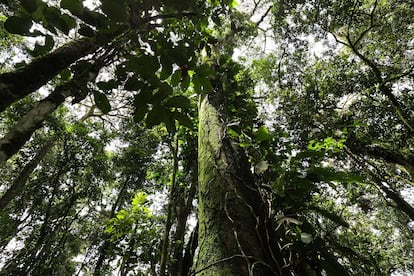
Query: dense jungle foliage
[[217, 137]]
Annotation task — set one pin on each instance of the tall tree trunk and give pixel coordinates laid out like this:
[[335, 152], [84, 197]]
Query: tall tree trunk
[[29, 123], [183, 257], [104, 248], [183, 210], [20, 181], [171, 215], [370, 148], [379, 179], [233, 237], [16, 85]]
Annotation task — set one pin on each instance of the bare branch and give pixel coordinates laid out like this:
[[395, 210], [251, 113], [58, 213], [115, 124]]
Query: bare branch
[[264, 16]]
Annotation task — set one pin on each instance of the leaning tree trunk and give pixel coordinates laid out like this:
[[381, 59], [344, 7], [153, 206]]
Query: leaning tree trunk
[[18, 184], [20, 181], [29, 123], [20, 83], [233, 236]]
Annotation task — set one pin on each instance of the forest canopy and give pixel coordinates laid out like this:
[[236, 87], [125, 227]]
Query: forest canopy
[[218, 137]]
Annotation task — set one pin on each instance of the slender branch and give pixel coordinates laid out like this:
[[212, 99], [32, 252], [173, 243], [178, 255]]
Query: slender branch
[[256, 5], [371, 25], [172, 15], [264, 16]]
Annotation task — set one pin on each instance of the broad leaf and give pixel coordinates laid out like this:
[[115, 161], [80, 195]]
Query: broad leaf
[[85, 30], [18, 25], [176, 78], [140, 113], [133, 84], [156, 116], [115, 10], [102, 102], [93, 18], [164, 91], [177, 101], [262, 134], [30, 5], [143, 97], [43, 49], [74, 6], [107, 85], [183, 119]]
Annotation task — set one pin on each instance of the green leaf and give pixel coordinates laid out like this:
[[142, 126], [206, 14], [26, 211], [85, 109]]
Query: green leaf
[[185, 83], [102, 102], [18, 25], [166, 71], [317, 174], [134, 84], [74, 6], [55, 19], [156, 116], [167, 67], [232, 133], [245, 144], [205, 71], [107, 85], [234, 4], [139, 199], [148, 64], [116, 10], [85, 30], [144, 65], [164, 90], [38, 15], [262, 134], [177, 101], [306, 238], [143, 97], [332, 266], [170, 123], [43, 49], [69, 20], [183, 119], [52, 14], [176, 78], [197, 83], [140, 113], [93, 18], [178, 55], [30, 5]]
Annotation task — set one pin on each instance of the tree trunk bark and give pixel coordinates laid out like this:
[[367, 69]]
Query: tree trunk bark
[[29, 123], [20, 181], [171, 215], [233, 237], [20, 83], [103, 249]]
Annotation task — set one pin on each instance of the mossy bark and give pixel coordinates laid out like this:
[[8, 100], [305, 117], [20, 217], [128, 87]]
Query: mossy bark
[[231, 214]]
